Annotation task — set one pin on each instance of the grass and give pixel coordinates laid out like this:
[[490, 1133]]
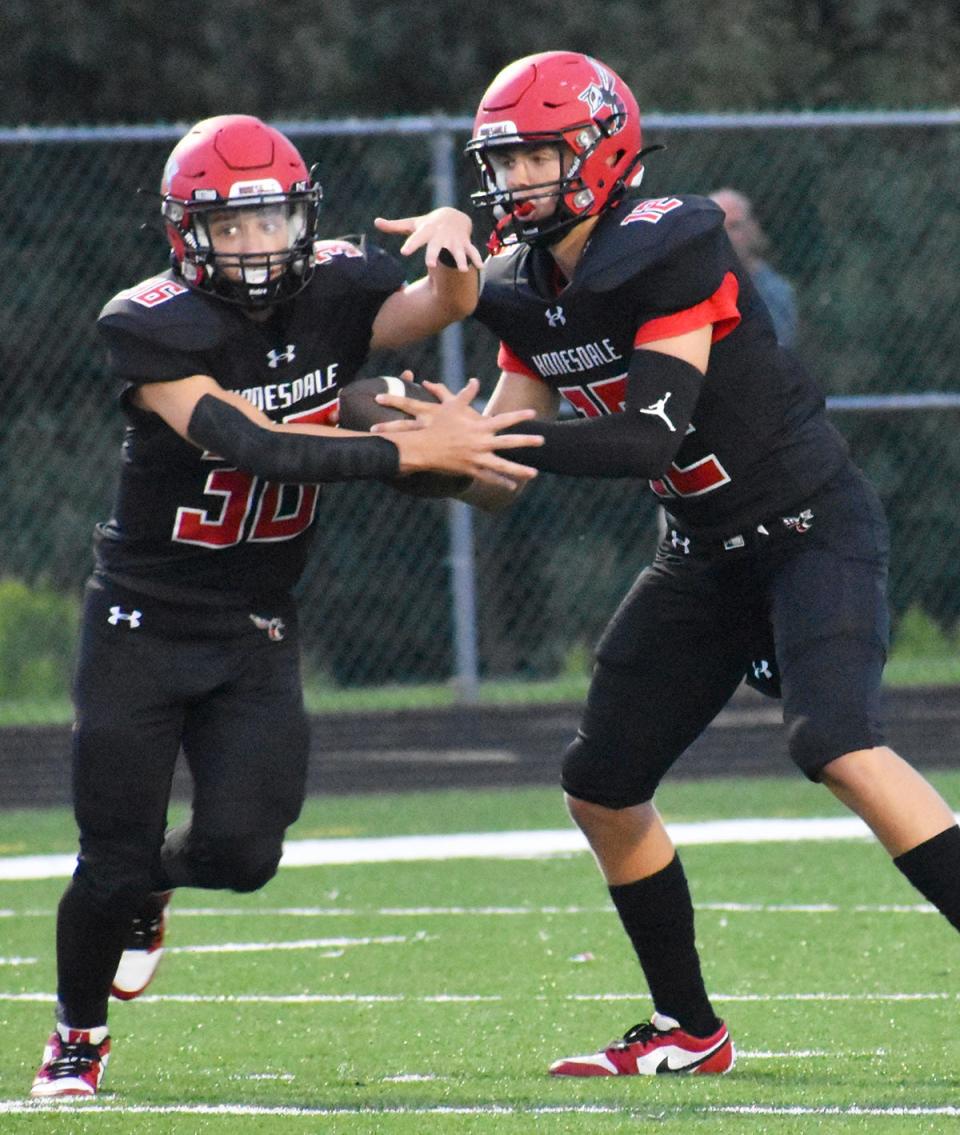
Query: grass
[[454, 983], [322, 697], [920, 671]]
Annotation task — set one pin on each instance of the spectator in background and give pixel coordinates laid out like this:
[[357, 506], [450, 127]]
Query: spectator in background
[[751, 243]]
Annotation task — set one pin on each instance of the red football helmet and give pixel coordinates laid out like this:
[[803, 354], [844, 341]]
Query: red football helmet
[[237, 163], [571, 101]]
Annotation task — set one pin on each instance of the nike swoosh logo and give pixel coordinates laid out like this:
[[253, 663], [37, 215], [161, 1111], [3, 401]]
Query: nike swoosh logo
[[665, 1066]]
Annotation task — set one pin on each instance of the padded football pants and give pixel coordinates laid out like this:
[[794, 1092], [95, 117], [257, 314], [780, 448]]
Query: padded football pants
[[152, 677], [681, 641]]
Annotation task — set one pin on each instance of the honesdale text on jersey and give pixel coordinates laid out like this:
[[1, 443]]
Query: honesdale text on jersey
[[574, 360], [282, 395]]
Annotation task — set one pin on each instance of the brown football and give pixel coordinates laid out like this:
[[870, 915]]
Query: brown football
[[359, 411]]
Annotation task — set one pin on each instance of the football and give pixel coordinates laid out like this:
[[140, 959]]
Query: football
[[359, 411]]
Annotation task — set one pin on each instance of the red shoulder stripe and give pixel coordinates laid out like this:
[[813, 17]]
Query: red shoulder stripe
[[507, 360], [720, 309]]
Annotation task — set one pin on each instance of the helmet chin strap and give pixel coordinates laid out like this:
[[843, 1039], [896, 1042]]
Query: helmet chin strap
[[545, 240], [631, 178], [494, 241], [517, 215]]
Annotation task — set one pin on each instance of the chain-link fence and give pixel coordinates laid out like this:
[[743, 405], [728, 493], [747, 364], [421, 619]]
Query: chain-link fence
[[861, 216]]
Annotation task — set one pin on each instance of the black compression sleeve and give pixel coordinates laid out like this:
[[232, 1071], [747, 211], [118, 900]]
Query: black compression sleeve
[[661, 394], [288, 457]]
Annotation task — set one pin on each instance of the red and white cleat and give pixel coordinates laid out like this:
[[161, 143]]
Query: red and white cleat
[[143, 950], [655, 1048], [73, 1064]]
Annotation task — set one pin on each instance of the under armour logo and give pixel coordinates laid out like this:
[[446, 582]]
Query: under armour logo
[[679, 541], [761, 668], [555, 316], [799, 523], [118, 615], [275, 357], [657, 409], [274, 627]]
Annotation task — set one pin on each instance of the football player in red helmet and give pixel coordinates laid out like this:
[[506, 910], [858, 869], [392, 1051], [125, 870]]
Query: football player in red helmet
[[229, 366], [638, 312], [556, 140], [240, 211]]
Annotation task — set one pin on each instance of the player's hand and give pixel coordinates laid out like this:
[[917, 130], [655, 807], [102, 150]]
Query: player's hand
[[449, 436], [401, 425], [441, 228]]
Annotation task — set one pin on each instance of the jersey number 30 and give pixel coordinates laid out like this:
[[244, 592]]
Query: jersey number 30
[[280, 511]]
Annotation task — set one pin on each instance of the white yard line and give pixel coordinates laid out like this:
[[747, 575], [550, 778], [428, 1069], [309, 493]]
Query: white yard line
[[478, 998], [103, 1105], [301, 944], [491, 845], [248, 913]]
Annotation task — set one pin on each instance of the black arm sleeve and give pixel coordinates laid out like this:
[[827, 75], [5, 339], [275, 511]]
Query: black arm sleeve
[[288, 457], [662, 392]]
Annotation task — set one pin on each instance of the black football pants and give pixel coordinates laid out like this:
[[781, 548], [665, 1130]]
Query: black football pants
[[225, 689], [812, 600], [152, 678]]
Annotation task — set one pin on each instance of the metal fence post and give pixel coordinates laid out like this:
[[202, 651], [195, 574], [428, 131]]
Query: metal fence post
[[463, 591]]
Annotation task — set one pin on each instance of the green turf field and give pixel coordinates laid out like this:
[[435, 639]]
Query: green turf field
[[429, 996]]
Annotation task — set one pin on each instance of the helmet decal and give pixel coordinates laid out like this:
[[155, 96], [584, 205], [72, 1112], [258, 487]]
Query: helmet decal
[[267, 187], [497, 129], [602, 96]]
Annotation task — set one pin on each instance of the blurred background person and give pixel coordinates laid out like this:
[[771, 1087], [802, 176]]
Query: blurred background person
[[751, 244]]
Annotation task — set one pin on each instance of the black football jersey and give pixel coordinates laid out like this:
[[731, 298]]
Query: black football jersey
[[186, 523], [759, 439]]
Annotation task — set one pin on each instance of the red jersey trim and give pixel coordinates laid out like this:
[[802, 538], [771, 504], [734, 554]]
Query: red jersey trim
[[507, 360], [720, 309]]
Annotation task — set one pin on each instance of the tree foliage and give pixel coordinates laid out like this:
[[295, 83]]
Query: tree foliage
[[86, 61]]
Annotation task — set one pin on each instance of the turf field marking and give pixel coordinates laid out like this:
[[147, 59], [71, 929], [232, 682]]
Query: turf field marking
[[18, 961], [535, 844], [851, 1110], [303, 944], [286, 1077], [491, 845], [473, 998], [103, 1105], [810, 1054], [510, 911], [251, 912], [764, 998]]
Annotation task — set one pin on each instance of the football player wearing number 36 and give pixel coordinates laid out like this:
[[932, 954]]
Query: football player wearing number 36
[[229, 365], [639, 314]]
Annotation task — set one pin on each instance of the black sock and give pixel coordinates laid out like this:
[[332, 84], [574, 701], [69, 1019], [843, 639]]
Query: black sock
[[657, 914], [934, 869], [89, 945]]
